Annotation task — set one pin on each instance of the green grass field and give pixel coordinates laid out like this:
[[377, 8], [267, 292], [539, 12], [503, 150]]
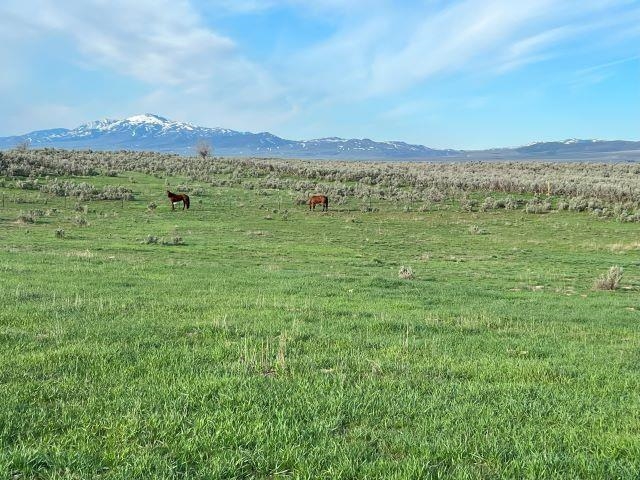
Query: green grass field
[[278, 343]]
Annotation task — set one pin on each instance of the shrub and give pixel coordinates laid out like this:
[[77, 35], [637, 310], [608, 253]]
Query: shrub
[[59, 233], [80, 221], [578, 204], [152, 206], [629, 217], [366, 208], [476, 230], [29, 184], [469, 204], [511, 203], [174, 240], [538, 206], [435, 195], [609, 281], [488, 204], [151, 239], [27, 217], [405, 272]]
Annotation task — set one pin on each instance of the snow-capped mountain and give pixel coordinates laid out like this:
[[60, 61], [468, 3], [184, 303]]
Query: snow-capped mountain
[[577, 146], [153, 132]]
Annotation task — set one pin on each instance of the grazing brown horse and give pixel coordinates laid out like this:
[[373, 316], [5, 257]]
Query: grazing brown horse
[[319, 199], [177, 198]]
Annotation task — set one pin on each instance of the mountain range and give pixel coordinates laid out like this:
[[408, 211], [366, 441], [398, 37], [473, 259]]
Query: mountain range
[[156, 133]]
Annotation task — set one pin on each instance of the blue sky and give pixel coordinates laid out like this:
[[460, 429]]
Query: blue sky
[[457, 74]]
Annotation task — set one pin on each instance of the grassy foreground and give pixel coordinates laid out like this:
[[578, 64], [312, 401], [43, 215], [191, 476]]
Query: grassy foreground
[[278, 343]]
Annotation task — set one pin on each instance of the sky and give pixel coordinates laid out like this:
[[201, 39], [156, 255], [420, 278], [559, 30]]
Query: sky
[[446, 74]]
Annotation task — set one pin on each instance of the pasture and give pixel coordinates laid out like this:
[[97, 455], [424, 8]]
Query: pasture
[[248, 337]]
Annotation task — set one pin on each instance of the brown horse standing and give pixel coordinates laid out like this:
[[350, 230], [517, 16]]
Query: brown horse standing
[[177, 198], [319, 199]]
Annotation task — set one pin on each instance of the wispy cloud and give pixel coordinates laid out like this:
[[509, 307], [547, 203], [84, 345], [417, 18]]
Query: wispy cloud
[[599, 73], [607, 65], [390, 52], [317, 6]]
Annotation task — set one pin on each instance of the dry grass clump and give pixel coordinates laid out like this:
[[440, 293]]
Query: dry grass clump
[[488, 204], [537, 205], [173, 240], [405, 273], [469, 204], [476, 230], [258, 233], [27, 217], [624, 247], [150, 240], [80, 221], [609, 281]]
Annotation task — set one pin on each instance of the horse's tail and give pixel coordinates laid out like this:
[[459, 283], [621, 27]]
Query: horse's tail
[[186, 200]]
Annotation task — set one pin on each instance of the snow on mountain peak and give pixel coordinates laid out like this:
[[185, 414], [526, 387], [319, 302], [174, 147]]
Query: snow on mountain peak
[[148, 118], [97, 124]]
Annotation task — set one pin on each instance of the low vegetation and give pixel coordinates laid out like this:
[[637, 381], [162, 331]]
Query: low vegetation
[[606, 190]]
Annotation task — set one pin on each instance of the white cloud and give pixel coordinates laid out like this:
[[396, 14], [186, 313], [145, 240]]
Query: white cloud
[[158, 42]]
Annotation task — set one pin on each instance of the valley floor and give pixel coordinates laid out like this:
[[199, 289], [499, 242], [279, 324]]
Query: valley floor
[[250, 338]]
